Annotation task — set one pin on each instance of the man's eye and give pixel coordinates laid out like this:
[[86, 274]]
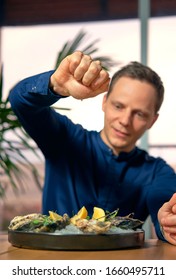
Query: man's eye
[[140, 114], [118, 106]]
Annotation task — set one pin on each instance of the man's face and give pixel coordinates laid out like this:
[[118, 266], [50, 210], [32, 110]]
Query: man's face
[[129, 111]]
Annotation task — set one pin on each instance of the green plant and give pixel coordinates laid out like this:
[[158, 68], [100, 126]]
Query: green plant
[[90, 49], [14, 141]]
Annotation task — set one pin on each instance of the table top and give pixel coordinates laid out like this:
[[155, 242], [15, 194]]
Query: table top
[[153, 249]]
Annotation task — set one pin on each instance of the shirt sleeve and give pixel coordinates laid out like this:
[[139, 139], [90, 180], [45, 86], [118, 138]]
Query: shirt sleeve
[[31, 101]]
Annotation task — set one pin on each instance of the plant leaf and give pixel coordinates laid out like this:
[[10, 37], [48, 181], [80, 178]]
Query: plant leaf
[[71, 46]]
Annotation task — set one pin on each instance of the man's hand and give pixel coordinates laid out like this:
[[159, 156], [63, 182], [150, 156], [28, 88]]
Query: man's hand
[[167, 219], [80, 77]]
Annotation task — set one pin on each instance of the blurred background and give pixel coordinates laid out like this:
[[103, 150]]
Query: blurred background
[[33, 33]]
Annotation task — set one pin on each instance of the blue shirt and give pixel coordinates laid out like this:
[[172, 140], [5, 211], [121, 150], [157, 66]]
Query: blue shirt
[[80, 169]]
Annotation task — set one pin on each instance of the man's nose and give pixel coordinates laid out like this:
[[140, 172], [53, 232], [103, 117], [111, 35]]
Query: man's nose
[[125, 118]]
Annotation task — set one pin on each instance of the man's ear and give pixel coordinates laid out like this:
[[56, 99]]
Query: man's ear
[[104, 102], [154, 120]]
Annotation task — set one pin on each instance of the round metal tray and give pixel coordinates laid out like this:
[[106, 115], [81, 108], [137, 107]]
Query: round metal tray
[[53, 241]]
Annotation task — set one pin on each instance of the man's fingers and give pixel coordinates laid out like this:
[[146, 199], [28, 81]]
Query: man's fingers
[[171, 204], [87, 71], [101, 79], [170, 229], [101, 89], [171, 238], [174, 209], [169, 221], [74, 61], [172, 201], [92, 73], [82, 67]]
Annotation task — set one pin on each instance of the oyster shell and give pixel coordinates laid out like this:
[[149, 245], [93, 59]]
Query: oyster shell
[[126, 222], [38, 223], [21, 221], [93, 226]]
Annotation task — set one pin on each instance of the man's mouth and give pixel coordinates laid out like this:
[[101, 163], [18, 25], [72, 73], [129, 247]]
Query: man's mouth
[[121, 133]]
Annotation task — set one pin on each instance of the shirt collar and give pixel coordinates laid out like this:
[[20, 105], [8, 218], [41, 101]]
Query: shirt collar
[[122, 156]]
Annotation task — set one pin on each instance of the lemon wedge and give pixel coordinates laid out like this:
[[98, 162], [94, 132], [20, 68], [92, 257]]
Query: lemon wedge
[[82, 214], [98, 214], [54, 216]]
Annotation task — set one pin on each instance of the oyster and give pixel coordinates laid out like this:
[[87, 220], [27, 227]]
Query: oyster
[[126, 222], [93, 226], [38, 223], [21, 221]]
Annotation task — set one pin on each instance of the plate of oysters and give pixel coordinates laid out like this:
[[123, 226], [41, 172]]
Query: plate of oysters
[[103, 231]]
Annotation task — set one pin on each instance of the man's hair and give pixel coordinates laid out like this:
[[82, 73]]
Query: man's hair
[[138, 71]]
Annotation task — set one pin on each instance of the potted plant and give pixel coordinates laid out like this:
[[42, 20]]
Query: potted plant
[[14, 141]]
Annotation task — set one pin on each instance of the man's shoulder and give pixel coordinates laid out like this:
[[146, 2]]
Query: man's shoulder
[[147, 157], [156, 161]]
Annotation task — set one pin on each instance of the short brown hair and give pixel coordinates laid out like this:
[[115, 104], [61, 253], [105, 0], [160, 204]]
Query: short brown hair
[[137, 70]]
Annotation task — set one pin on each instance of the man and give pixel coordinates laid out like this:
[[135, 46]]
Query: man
[[103, 169]]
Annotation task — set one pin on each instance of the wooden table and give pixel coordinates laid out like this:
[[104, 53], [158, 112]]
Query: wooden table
[[153, 249]]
